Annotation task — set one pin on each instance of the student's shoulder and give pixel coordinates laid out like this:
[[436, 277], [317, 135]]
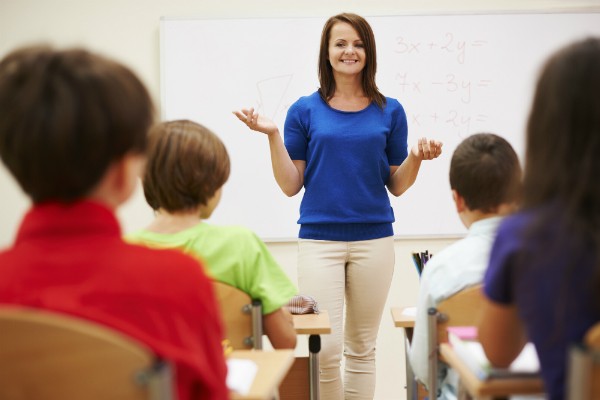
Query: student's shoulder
[[512, 228], [157, 260], [229, 232], [447, 258], [237, 238], [516, 222]]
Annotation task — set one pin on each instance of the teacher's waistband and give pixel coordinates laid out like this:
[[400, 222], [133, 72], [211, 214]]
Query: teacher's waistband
[[346, 232]]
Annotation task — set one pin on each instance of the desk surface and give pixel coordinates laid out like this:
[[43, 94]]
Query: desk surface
[[402, 320], [312, 324], [272, 368], [489, 387]]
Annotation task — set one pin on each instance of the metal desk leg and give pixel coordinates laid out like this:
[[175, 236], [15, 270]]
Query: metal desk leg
[[314, 347], [411, 383]]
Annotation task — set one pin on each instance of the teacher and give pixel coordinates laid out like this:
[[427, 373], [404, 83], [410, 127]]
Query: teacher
[[345, 144]]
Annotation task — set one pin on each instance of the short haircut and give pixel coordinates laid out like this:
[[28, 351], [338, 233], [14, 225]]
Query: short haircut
[[65, 116], [187, 164], [486, 172]]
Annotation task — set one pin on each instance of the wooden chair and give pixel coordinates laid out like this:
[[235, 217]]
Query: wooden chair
[[583, 372], [52, 356], [460, 309], [242, 317]]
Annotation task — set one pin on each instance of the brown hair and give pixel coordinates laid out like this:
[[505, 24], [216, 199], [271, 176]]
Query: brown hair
[[562, 163], [563, 133], [187, 164], [65, 116], [485, 171], [326, 79]]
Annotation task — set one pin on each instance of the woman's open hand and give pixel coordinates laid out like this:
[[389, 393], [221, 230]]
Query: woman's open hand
[[427, 149], [256, 122]]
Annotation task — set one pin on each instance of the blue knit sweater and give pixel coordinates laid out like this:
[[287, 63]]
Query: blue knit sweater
[[348, 157]]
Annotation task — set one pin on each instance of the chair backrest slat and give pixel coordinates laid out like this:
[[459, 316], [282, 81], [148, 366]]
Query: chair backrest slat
[[242, 317], [47, 355], [460, 309]]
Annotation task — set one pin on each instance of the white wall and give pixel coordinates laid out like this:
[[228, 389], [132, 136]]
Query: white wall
[[128, 30]]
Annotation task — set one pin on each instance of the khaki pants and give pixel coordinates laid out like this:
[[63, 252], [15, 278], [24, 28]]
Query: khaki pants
[[359, 272]]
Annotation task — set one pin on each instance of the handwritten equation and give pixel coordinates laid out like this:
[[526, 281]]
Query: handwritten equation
[[449, 83], [444, 97], [454, 121], [448, 45]]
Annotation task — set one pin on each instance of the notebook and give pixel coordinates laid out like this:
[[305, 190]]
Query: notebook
[[471, 352]]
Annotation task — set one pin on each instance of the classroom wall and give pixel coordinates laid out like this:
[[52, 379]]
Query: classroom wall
[[129, 31]]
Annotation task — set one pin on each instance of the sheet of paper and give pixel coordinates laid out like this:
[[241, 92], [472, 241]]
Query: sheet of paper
[[471, 352], [410, 311], [240, 375]]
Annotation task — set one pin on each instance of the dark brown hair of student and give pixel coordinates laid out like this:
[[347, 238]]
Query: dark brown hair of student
[[65, 115], [326, 79], [486, 172], [563, 134], [187, 164], [562, 164]]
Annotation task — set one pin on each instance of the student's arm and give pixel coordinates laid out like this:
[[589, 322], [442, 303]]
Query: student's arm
[[501, 333], [288, 174], [279, 328], [403, 176]]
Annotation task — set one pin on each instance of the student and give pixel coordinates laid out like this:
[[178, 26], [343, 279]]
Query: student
[[345, 144], [542, 284], [485, 178], [73, 129], [187, 167]]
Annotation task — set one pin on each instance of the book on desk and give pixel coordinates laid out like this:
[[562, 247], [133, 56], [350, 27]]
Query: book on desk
[[472, 353]]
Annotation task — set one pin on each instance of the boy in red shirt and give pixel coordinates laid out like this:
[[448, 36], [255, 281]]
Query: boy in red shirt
[[73, 129]]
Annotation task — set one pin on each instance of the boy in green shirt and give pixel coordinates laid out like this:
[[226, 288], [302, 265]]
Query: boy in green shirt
[[187, 167]]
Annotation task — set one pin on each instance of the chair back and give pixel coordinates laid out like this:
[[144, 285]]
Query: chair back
[[583, 370], [52, 356], [242, 317], [460, 309]]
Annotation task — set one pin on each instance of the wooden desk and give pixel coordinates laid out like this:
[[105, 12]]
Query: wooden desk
[[401, 320], [272, 368], [472, 387], [313, 325]]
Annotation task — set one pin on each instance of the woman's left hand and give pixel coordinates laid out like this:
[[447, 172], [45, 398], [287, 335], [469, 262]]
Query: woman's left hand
[[427, 149]]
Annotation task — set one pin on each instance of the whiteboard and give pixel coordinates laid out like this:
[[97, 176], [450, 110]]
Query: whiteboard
[[455, 75]]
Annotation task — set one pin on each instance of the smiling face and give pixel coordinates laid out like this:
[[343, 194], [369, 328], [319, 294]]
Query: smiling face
[[346, 50]]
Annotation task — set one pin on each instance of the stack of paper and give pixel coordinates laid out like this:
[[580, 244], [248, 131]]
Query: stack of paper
[[240, 375]]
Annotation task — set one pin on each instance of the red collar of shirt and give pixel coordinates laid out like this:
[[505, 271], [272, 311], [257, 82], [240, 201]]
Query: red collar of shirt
[[74, 219]]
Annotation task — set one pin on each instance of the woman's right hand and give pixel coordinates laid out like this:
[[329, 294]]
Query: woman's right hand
[[256, 122]]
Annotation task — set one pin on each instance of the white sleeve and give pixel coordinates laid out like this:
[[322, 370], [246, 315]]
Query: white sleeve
[[419, 349]]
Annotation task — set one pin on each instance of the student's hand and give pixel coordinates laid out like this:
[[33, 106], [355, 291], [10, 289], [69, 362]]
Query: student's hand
[[427, 149], [256, 122]]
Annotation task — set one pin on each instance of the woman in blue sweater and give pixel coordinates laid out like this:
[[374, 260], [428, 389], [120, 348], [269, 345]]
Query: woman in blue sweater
[[345, 144]]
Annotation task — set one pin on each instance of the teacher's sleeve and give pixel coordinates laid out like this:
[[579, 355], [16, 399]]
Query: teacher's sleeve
[[397, 142], [295, 132]]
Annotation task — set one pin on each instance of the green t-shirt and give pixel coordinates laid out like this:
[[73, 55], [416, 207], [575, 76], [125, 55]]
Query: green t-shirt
[[231, 254]]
